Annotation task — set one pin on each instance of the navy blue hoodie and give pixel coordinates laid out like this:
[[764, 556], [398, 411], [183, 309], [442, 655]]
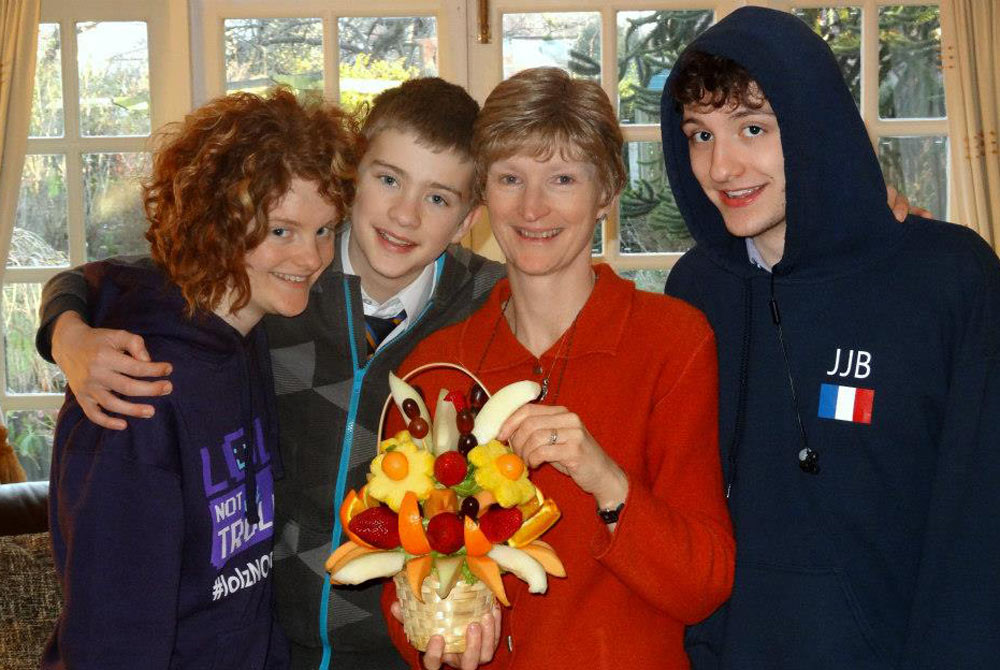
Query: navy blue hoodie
[[162, 563], [889, 556]]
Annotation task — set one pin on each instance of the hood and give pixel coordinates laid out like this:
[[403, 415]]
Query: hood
[[139, 298], [836, 210]]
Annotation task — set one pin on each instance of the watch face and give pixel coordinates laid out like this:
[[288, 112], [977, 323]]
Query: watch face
[[611, 515]]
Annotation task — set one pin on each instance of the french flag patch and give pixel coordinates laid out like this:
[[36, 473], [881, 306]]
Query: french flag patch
[[845, 403]]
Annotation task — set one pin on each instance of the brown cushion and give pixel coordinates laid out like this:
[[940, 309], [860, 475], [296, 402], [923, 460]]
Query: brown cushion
[[29, 599]]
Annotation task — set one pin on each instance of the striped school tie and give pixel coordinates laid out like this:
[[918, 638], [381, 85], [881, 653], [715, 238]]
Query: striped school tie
[[377, 329]]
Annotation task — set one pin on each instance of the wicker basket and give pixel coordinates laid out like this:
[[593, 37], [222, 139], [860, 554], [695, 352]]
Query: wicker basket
[[447, 617], [467, 603]]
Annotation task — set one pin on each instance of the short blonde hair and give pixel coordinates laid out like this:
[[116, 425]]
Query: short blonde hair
[[543, 110]]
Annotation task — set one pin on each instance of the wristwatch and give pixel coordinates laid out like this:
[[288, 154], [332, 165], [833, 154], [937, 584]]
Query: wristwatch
[[610, 516]]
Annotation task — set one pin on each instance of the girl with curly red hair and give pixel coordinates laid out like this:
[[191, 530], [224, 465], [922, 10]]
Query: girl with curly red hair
[[162, 533]]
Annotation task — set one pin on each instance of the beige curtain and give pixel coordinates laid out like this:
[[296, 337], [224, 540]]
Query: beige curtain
[[18, 40], [971, 60]]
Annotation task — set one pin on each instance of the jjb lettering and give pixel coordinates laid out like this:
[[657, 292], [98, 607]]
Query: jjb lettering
[[857, 362]]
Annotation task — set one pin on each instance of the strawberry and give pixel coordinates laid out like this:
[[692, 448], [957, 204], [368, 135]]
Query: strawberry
[[450, 468], [445, 532], [499, 523], [457, 399], [378, 526]]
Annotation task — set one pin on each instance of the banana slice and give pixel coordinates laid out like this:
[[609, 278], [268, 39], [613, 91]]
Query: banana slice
[[501, 405]]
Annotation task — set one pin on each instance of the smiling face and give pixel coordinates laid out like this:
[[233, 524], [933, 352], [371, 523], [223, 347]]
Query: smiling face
[[736, 157], [543, 211], [412, 202], [296, 249]]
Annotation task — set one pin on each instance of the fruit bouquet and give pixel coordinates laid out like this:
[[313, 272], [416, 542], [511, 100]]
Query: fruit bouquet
[[446, 509]]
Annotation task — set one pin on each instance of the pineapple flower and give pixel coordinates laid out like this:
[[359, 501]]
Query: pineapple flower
[[502, 473], [400, 467]]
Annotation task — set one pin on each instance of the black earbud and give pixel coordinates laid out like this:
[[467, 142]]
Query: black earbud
[[809, 461]]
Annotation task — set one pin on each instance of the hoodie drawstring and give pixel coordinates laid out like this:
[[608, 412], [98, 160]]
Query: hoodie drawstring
[[741, 397], [808, 458]]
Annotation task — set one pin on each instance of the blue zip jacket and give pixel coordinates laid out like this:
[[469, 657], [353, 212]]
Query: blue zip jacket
[[162, 562], [887, 557]]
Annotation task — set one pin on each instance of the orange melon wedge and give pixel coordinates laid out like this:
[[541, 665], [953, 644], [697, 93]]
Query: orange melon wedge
[[485, 498], [345, 553], [476, 542], [440, 500], [487, 570], [545, 555], [417, 570], [411, 528]]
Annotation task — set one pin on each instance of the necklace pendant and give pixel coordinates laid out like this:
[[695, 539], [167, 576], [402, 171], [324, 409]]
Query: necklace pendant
[[545, 390]]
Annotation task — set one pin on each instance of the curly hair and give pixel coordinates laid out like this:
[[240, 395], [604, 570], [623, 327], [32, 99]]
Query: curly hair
[[543, 110], [706, 80], [217, 174]]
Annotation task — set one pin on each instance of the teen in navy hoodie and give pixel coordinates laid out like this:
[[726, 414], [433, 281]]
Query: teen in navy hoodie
[[859, 363], [162, 533]]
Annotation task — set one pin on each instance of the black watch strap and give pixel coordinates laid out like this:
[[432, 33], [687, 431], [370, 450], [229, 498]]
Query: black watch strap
[[610, 516]]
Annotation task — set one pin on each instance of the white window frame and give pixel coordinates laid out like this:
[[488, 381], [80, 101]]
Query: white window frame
[[879, 127], [170, 98], [208, 38]]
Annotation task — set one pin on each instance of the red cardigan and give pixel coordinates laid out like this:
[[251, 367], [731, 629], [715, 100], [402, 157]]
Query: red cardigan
[[641, 373]]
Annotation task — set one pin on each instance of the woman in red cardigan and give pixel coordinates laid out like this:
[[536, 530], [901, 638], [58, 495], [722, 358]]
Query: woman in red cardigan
[[624, 438]]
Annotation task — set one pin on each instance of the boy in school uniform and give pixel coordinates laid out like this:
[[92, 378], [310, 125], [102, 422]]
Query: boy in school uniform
[[398, 275]]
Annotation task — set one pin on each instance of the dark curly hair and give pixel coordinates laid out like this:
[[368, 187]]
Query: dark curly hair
[[217, 174], [706, 80]]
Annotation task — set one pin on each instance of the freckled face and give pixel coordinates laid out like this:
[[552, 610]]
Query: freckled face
[[297, 248]]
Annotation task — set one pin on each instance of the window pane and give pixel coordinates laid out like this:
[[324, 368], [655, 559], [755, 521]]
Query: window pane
[[47, 100], [263, 52], [378, 52], [39, 238], [919, 167], [648, 46], [113, 214], [571, 41], [26, 371], [910, 82], [597, 243], [113, 60], [650, 220], [840, 27], [30, 433], [647, 280]]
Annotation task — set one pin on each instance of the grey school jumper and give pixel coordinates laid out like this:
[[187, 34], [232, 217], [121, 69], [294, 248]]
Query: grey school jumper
[[329, 399]]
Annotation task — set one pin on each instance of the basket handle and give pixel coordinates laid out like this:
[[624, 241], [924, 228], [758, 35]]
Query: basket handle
[[413, 373]]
